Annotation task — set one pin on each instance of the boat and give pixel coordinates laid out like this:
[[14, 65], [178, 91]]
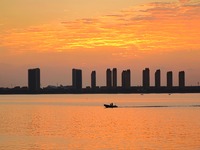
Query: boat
[[110, 105]]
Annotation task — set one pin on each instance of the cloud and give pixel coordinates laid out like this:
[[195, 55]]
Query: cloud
[[184, 1], [154, 26]]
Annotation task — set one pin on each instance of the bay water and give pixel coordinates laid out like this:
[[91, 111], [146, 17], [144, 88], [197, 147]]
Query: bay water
[[80, 122]]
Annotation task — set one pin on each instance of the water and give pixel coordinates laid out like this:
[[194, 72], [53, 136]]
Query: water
[[80, 122]]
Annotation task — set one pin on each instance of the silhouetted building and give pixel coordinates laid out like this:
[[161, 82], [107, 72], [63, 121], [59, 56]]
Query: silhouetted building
[[126, 79], [93, 79], [157, 78], [169, 79], [77, 78], [34, 79], [146, 78], [108, 78], [181, 78], [114, 77]]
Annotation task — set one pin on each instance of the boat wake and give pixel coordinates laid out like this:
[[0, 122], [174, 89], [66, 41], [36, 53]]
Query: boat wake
[[158, 106]]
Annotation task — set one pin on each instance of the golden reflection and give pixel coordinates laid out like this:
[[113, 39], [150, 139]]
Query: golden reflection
[[74, 122]]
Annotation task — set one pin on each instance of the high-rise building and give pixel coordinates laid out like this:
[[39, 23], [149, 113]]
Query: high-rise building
[[126, 78], [114, 77], [169, 79], [34, 79], [77, 78], [93, 79], [128, 72], [181, 79], [157, 78], [146, 78], [108, 78]]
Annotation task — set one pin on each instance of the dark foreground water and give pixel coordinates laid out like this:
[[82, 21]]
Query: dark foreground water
[[80, 122]]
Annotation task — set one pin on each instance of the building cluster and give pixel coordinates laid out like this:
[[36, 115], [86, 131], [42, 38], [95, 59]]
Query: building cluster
[[111, 79], [146, 78]]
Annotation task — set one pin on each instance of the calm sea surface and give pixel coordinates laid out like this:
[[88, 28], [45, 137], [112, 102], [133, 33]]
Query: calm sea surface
[[80, 122]]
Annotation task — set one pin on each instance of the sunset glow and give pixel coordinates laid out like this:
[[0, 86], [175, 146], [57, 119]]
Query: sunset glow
[[152, 28]]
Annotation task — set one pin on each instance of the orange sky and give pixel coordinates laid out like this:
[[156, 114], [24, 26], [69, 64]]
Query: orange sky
[[159, 35]]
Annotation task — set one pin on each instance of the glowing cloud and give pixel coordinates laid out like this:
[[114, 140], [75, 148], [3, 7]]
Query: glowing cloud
[[154, 26], [184, 1]]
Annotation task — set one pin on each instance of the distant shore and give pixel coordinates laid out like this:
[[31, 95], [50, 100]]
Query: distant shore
[[103, 90]]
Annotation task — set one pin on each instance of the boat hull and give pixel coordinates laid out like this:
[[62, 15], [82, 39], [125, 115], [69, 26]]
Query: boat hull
[[110, 106]]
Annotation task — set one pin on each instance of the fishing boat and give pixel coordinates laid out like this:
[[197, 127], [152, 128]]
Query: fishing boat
[[111, 105]]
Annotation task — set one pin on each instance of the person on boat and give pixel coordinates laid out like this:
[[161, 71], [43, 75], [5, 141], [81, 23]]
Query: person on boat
[[111, 104]]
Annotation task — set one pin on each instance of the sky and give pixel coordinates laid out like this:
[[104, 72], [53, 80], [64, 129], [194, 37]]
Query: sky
[[58, 35]]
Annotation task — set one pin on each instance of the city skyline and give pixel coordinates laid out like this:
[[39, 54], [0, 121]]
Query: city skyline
[[95, 35], [111, 80], [112, 86]]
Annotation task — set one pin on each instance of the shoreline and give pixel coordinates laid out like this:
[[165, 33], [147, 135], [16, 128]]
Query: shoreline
[[104, 90]]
